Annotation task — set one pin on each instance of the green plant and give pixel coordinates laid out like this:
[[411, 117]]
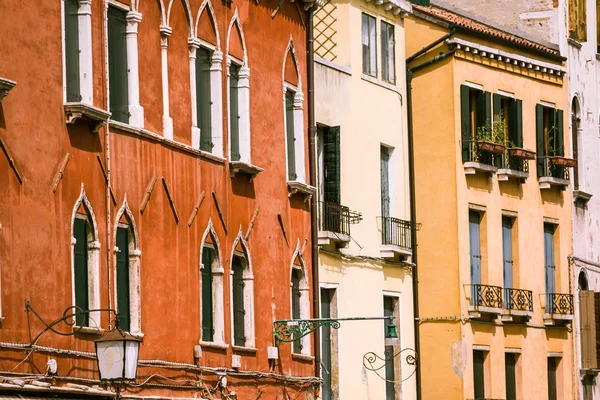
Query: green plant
[[494, 132]]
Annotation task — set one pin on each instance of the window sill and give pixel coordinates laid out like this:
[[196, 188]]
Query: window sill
[[581, 196], [244, 349], [296, 187], [547, 182], [574, 43], [214, 345], [471, 168], [302, 357], [97, 117], [6, 86], [244, 167], [87, 330], [383, 84], [504, 175]]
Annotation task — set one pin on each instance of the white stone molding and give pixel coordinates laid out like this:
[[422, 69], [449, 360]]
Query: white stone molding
[[292, 52], [165, 33], [192, 46], [135, 307], [235, 20], [136, 111], [304, 293], [86, 85], [206, 4], [6, 86], [188, 14], [217, 285], [216, 99], [248, 278], [93, 258]]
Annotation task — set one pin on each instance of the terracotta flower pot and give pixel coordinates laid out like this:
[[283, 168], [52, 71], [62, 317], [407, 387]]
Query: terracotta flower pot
[[491, 147], [563, 161], [523, 154]]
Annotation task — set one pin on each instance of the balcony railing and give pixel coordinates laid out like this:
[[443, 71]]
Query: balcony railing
[[486, 296], [395, 232], [476, 154], [518, 299], [337, 218], [557, 303], [515, 163], [552, 170]]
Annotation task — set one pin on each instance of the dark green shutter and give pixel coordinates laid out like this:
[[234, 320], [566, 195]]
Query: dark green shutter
[[80, 256], [291, 140], [465, 116], [234, 113], [497, 102], [487, 109], [239, 334], [478, 374], [207, 295], [123, 305], [390, 387], [497, 108], [117, 65], [518, 117], [511, 381], [331, 164], [539, 138], [559, 139], [297, 344], [203, 103], [72, 50], [480, 113], [552, 395]]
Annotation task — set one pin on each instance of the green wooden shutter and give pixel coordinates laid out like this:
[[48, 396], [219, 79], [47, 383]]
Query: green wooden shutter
[[234, 113], [478, 374], [465, 116], [539, 138], [117, 65], [296, 294], [291, 140], [497, 103], [203, 103], [385, 181], [552, 395], [487, 109], [480, 113], [80, 256], [497, 109], [331, 164], [239, 334], [510, 373], [207, 295], [518, 117], [72, 50], [559, 138], [123, 305]]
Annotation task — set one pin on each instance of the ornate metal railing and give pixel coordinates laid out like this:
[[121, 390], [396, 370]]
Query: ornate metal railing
[[518, 299], [555, 171], [334, 218], [486, 296], [515, 163], [483, 156], [557, 303], [396, 232]]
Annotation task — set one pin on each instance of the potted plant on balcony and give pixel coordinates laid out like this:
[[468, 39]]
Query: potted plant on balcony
[[523, 154], [555, 157], [491, 139]]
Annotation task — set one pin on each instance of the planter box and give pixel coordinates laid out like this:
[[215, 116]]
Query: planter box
[[491, 147], [523, 154], [563, 161]]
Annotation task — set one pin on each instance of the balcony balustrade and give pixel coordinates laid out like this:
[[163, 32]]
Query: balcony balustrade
[[555, 172], [518, 305], [486, 301], [334, 223], [395, 237], [559, 308]]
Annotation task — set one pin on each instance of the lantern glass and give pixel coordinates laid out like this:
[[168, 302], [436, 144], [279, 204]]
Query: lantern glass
[[117, 353]]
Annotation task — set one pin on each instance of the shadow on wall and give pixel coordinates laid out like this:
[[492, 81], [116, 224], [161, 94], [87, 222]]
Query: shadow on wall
[[480, 182], [552, 196], [241, 187], [511, 189], [81, 138], [516, 329]]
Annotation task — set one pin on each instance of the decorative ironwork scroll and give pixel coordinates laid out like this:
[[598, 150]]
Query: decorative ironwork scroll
[[560, 303], [290, 330], [487, 296], [518, 299], [374, 362]]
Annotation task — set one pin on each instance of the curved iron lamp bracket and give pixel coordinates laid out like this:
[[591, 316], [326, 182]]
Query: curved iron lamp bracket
[[69, 317], [372, 361]]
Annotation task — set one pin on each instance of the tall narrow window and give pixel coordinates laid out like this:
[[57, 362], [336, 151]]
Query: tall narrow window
[[577, 20], [475, 254], [552, 367], [388, 53], [549, 140], [327, 297], [386, 221], [369, 45], [234, 112], [71, 9], [575, 121], [290, 137], [207, 294], [390, 376], [80, 257], [549, 266], [297, 344], [123, 299], [510, 363], [203, 98], [117, 64], [476, 114], [479, 373], [330, 172], [239, 334], [507, 253]]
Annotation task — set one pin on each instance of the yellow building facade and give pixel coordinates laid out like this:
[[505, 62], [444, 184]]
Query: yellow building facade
[[364, 215], [495, 294]]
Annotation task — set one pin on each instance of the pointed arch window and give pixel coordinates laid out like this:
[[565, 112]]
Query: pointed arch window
[[242, 295], [212, 319], [299, 298], [293, 117]]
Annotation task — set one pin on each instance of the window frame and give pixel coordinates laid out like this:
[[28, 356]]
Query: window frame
[[369, 64], [388, 72], [294, 133], [248, 293]]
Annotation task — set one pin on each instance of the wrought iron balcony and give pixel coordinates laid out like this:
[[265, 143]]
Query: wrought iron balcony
[[559, 308], [395, 237], [554, 173], [518, 305], [334, 222], [483, 157], [486, 301], [515, 164]]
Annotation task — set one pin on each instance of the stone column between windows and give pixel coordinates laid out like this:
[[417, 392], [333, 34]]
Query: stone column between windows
[[216, 99], [244, 110], [249, 309], [193, 45], [135, 307], [86, 84], [299, 137], [218, 307], [165, 33], [94, 283], [136, 112]]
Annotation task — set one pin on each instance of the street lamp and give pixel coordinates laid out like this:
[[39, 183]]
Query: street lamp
[[117, 353]]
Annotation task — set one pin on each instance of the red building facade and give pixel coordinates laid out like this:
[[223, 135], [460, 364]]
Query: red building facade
[[155, 161]]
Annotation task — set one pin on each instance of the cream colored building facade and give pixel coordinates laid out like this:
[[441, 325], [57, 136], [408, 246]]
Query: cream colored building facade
[[364, 230]]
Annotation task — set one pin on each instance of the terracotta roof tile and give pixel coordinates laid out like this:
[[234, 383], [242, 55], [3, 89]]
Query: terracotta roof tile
[[472, 24]]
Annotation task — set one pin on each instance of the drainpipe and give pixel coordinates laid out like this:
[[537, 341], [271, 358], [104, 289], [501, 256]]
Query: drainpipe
[[412, 194], [312, 133]]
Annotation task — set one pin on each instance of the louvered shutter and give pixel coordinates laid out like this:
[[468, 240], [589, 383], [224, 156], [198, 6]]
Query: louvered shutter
[[480, 113], [80, 257], [465, 117], [123, 303], [559, 138], [497, 107], [117, 65], [497, 103], [72, 50], [487, 109], [203, 103], [588, 329], [297, 344], [331, 167], [518, 117], [234, 113], [291, 140], [539, 138], [239, 334], [207, 295]]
